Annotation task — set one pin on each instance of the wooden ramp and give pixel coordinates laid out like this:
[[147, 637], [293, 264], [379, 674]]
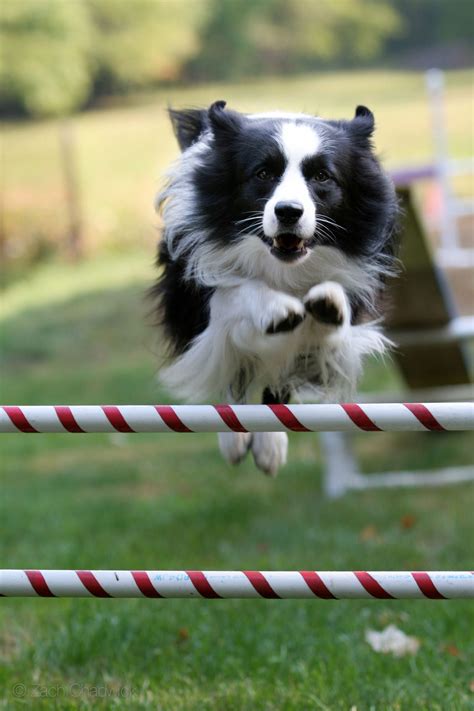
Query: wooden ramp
[[419, 301]]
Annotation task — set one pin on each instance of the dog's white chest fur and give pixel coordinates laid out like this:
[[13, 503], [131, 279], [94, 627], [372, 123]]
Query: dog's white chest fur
[[260, 337]]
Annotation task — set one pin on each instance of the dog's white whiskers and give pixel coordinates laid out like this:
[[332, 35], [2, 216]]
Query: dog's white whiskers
[[254, 225], [250, 230], [248, 219], [252, 212], [326, 233], [329, 221]]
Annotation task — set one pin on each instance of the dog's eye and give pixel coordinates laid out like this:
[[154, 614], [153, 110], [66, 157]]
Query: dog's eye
[[321, 176], [264, 174]]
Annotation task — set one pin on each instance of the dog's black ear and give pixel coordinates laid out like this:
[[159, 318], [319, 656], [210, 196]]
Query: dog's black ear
[[188, 124], [223, 122], [363, 123]]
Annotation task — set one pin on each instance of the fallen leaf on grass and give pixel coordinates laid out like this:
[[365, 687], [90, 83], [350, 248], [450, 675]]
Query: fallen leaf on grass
[[407, 521], [392, 641], [471, 685], [183, 634], [369, 533], [452, 650]]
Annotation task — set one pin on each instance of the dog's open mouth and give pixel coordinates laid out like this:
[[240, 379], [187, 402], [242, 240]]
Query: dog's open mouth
[[288, 247]]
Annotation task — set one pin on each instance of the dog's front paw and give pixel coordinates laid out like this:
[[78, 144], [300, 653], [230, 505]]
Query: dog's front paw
[[328, 304], [269, 451], [282, 315], [234, 445]]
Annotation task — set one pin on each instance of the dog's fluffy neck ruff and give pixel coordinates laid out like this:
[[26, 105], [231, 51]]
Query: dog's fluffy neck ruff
[[214, 267]]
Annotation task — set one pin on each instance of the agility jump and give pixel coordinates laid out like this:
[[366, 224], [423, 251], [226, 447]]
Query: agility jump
[[373, 417], [238, 418], [303, 584]]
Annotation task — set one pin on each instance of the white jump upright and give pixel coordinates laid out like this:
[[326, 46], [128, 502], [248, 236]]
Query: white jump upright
[[345, 417], [300, 584]]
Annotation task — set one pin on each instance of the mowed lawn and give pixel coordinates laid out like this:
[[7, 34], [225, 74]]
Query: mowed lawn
[[78, 334]]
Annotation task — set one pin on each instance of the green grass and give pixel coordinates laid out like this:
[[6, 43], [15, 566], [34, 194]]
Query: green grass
[[122, 152], [77, 334]]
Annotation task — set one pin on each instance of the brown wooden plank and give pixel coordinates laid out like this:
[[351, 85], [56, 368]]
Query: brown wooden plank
[[420, 298]]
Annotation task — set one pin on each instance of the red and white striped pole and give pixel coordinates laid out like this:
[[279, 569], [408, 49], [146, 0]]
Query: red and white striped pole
[[300, 584], [373, 417]]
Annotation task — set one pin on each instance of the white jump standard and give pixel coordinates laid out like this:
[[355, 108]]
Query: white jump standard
[[326, 585], [373, 417]]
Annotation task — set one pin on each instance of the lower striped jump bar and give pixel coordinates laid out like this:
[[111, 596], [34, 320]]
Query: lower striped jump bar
[[374, 417], [300, 584]]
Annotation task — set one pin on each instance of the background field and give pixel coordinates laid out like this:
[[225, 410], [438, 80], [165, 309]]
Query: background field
[[122, 152], [79, 334]]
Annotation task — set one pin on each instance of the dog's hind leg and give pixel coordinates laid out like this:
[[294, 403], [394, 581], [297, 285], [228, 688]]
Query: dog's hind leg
[[270, 449], [235, 445]]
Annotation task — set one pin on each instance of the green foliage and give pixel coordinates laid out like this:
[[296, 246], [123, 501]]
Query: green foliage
[[427, 22], [262, 36], [45, 59], [58, 53], [143, 41]]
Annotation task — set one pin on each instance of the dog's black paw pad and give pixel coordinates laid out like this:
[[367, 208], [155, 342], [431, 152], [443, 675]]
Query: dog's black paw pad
[[286, 325], [326, 311]]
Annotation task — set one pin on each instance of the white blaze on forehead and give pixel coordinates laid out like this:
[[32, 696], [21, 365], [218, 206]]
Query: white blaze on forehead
[[298, 141]]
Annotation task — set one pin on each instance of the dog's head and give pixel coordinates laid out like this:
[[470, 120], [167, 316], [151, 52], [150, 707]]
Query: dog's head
[[293, 180]]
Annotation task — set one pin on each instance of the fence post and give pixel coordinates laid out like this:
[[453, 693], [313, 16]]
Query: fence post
[[68, 153]]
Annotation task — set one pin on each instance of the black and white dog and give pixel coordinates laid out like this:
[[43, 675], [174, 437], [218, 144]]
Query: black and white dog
[[278, 233]]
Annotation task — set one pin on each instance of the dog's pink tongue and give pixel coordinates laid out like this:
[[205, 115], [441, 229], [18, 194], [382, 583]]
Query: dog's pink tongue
[[288, 242]]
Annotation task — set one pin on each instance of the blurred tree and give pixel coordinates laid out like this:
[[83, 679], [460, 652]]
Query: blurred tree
[[45, 71], [246, 36], [227, 47], [142, 42], [57, 54], [44, 62], [431, 22]]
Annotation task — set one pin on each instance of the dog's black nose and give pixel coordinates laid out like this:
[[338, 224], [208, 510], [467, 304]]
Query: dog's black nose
[[288, 212]]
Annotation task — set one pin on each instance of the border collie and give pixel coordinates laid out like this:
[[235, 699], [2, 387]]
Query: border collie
[[278, 234]]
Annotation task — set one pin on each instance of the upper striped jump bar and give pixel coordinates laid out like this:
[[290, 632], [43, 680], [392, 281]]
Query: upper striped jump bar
[[326, 585], [373, 417]]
